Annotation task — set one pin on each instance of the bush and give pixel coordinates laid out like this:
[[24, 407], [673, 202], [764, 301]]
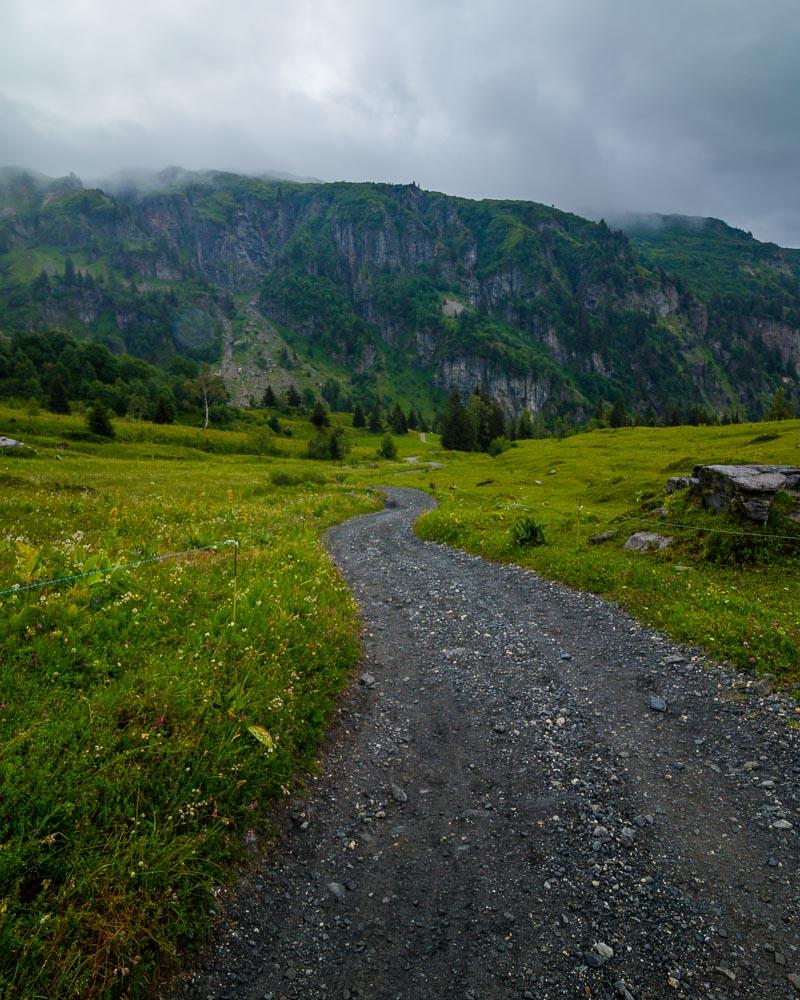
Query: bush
[[280, 477], [742, 543], [98, 421], [331, 445], [526, 531], [498, 445], [387, 448]]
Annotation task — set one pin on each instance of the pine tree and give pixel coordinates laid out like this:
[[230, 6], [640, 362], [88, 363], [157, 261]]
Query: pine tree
[[269, 400], [524, 429], [57, 399], [413, 420], [319, 416], [293, 399], [164, 413], [375, 422], [618, 417], [600, 414], [397, 420], [359, 420], [98, 420], [456, 428], [779, 408]]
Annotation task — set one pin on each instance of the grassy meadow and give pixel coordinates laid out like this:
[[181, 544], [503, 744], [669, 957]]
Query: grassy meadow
[[146, 729], [726, 585]]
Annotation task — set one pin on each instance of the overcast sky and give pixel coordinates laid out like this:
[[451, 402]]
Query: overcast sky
[[597, 106]]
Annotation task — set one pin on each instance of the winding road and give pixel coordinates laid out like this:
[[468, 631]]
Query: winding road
[[526, 794]]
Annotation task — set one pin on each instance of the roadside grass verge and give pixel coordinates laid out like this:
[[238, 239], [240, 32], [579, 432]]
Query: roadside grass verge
[[132, 779], [737, 599]]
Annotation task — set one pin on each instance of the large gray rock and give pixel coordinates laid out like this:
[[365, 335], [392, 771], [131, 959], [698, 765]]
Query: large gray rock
[[643, 541], [747, 489], [9, 444]]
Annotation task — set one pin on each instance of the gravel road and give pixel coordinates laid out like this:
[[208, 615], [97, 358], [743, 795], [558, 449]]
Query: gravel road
[[526, 794]]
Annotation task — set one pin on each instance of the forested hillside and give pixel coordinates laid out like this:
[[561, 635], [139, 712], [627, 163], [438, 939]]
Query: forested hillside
[[392, 291]]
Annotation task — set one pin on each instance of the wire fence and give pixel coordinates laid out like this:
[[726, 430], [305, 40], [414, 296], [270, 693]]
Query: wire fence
[[73, 577]]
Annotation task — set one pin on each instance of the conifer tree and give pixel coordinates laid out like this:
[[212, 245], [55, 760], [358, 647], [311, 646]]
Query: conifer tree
[[359, 419], [375, 422], [524, 427], [269, 400], [319, 416], [98, 420], [164, 413], [456, 428], [397, 420], [57, 399], [618, 417], [779, 408]]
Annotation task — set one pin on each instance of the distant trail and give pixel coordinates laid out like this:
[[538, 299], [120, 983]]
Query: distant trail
[[503, 814]]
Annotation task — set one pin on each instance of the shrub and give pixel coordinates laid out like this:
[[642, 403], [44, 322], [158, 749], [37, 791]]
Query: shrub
[[526, 531], [330, 445], [498, 445], [387, 448], [98, 420]]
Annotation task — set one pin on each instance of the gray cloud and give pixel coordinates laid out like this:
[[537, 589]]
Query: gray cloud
[[599, 106]]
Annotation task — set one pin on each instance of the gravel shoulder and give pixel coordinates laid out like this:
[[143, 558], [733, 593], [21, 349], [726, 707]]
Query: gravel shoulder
[[527, 793]]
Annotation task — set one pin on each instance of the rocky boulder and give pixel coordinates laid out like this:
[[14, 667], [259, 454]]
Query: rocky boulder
[[643, 541], [747, 489]]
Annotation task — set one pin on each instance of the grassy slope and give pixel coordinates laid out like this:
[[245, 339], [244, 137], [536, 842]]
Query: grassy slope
[[133, 780], [610, 480]]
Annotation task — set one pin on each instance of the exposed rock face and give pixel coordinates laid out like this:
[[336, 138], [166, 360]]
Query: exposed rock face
[[677, 483], [522, 297], [747, 489], [644, 541]]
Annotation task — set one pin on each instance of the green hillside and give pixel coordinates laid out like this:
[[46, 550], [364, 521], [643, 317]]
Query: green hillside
[[401, 293]]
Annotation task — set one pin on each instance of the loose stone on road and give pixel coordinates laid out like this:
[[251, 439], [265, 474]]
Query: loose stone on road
[[526, 794]]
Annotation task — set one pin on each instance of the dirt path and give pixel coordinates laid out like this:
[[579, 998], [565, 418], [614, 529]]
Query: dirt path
[[502, 813]]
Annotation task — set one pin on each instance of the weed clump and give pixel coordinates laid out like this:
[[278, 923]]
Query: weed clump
[[526, 532]]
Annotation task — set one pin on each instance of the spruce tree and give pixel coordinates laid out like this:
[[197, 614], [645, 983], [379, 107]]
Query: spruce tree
[[98, 420], [456, 428], [319, 416], [293, 399], [375, 422], [269, 400], [164, 413], [57, 399], [618, 417], [397, 420], [524, 426], [779, 408], [359, 420]]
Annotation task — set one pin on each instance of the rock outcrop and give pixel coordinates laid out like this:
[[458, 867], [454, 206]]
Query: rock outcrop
[[745, 489]]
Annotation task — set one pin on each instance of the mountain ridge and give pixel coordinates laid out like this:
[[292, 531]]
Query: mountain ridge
[[403, 293]]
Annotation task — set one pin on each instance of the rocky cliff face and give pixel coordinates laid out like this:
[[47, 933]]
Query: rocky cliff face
[[553, 311]]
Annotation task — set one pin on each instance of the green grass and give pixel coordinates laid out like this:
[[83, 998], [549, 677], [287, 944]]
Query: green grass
[[145, 735], [699, 591], [131, 779]]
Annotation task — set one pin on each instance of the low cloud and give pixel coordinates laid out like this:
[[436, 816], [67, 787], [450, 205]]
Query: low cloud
[[599, 108]]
